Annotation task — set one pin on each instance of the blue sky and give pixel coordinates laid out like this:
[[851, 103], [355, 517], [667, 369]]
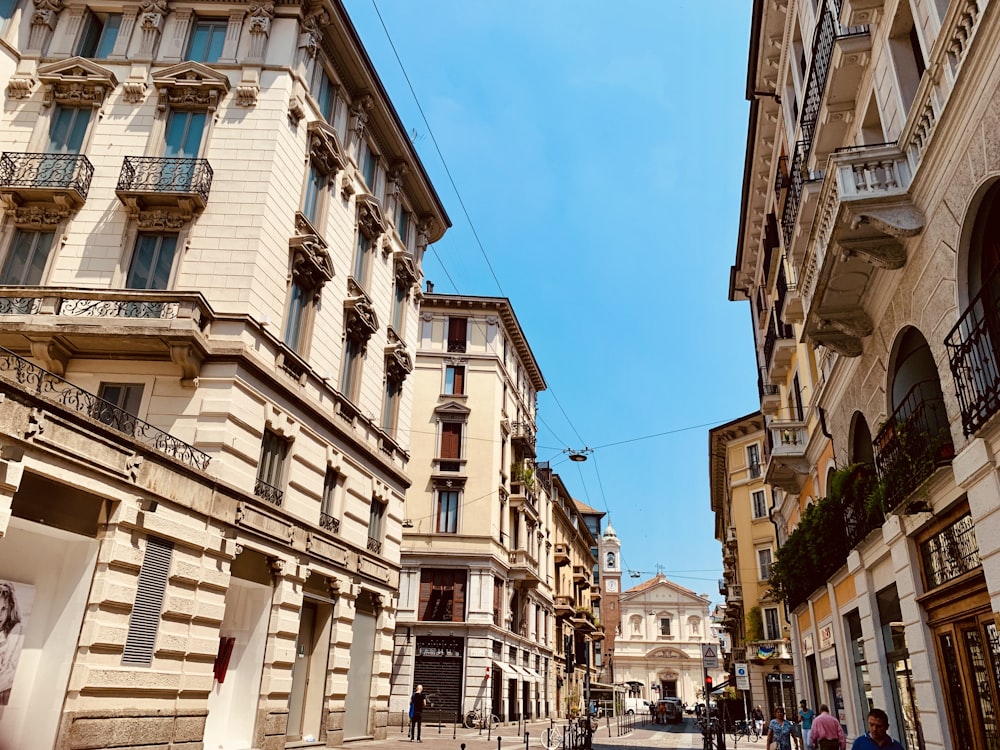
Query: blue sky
[[598, 150]]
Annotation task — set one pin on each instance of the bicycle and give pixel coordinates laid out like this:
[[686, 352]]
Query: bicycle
[[478, 719], [568, 736], [745, 728]]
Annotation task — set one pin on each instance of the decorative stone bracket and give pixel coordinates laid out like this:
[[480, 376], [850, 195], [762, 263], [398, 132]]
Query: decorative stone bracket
[[360, 319]]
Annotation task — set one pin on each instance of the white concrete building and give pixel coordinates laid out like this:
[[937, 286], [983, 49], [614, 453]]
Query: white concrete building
[[210, 257]]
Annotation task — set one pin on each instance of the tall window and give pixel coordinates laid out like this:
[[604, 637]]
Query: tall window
[[664, 626], [451, 445], [390, 405], [759, 504], [400, 290], [369, 167], [99, 35], [753, 459], [764, 563], [454, 380], [376, 522], [772, 628], [152, 261], [350, 376], [296, 312], [207, 40], [327, 511], [447, 515], [322, 91], [403, 224], [442, 595], [361, 257], [28, 256], [312, 201], [457, 334], [271, 467], [67, 129], [183, 133]]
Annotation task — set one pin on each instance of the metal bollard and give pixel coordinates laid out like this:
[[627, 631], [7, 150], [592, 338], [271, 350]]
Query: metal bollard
[[525, 741], [454, 727], [499, 742]]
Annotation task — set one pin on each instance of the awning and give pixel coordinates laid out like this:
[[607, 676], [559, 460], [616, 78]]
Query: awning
[[532, 673], [506, 668], [520, 670]]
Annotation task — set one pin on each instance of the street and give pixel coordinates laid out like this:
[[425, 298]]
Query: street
[[684, 735]]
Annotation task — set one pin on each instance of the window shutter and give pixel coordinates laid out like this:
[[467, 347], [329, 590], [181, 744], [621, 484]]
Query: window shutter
[[458, 602], [145, 619], [451, 439], [459, 381]]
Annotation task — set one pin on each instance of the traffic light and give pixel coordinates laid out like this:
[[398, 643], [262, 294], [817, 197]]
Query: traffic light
[[708, 686]]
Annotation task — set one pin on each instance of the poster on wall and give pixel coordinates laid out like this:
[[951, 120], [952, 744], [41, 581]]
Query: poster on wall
[[16, 601]]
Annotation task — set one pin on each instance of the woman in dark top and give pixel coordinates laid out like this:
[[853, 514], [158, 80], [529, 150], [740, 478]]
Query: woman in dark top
[[417, 701]]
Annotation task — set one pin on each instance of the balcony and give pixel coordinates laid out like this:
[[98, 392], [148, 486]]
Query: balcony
[[734, 594], [58, 180], [779, 348], [722, 587], [375, 545], [161, 183], [560, 555], [583, 620], [770, 395], [800, 202], [268, 492], [50, 387], [914, 442], [973, 346], [787, 466], [563, 606], [57, 324], [789, 298], [523, 569], [866, 213], [775, 648], [523, 434], [580, 574], [329, 523]]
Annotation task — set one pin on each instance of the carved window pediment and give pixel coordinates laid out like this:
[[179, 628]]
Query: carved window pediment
[[370, 218], [312, 266], [76, 82], [190, 85], [405, 268], [398, 362], [325, 149], [360, 318], [453, 410]]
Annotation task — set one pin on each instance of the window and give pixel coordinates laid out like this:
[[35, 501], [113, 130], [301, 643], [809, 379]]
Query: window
[[361, 256], [322, 91], [764, 563], [376, 521], [99, 35], [67, 129], [270, 468], [207, 40], [126, 398], [351, 373], [454, 380], [797, 398], [451, 440], [28, 257], [312, 203], [753, 459], [907, 56], [293, 321], [6, 12], [447, 515], [152, 261], [772, 630], [144, 621], [759, 504], [664, 626], [369, 167], [457, 334], [390, 407], [183, 133], [400, 291], [327, 511], [403, 225], [442, 595]]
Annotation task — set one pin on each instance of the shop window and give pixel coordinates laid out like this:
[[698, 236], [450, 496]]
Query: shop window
[[144, 621]]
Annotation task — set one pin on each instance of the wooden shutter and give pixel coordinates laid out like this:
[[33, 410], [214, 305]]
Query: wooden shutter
[[145, 619], [458, 599], [426, 584], [456, 334], [451, 440], [459, 388]]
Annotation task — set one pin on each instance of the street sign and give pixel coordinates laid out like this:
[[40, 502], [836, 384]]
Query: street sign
[[742, 676], [710, 655]]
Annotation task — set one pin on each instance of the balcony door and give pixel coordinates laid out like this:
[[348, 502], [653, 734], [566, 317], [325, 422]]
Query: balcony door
[[67, 131], [184, 132]]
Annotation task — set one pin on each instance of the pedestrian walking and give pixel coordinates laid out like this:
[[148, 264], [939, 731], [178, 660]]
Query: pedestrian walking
[[779, 731], [758, 718], [877, 737], [417, 701], [826, 732], [806, 716]]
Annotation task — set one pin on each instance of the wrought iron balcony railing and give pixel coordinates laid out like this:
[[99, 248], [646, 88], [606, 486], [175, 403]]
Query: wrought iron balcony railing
[[46, 172], [776, 330], [330, 523], [268, 492], [973, 347], [374, 545], [148, 174], [913, 443], [53, 388]]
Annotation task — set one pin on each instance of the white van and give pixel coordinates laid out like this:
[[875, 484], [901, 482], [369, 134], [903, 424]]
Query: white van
[[636, 705]]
